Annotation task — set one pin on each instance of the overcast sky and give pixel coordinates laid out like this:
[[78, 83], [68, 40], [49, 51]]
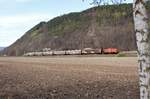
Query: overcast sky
[[18, 16]]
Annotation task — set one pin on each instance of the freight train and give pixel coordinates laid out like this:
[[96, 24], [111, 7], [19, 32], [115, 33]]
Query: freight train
[[85, 51]]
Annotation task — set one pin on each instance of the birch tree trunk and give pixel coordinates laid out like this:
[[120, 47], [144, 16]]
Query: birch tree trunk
[[143, 43]]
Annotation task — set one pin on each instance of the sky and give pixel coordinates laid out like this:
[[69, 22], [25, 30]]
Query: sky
[[19, 16]]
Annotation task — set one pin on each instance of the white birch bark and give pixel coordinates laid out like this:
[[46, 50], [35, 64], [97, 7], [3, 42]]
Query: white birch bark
[[142, 31]]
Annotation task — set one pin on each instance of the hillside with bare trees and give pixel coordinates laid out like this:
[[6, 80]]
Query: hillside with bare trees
[[98, 27]]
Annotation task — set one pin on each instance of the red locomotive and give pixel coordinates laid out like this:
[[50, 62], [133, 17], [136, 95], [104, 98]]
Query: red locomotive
[[110, 51]]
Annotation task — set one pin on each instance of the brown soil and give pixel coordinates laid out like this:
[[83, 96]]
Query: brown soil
[[68, 78]]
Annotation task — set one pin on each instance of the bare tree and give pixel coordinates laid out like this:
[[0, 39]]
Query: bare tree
[[142, 32]]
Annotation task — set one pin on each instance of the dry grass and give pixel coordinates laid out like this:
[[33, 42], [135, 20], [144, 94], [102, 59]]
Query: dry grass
[[69, 78]]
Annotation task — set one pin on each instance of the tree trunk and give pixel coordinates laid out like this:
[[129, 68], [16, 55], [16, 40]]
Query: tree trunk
[[143, 43]]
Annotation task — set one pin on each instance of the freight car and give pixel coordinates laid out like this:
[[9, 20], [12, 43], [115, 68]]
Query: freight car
[[110, 51], [98, 51], [73, 52], [85, 51], [59, 52], [47, 53]]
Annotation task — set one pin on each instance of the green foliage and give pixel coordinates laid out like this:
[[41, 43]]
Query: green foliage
[[111, 14], [66, 23], [34, 33], [104, 15]]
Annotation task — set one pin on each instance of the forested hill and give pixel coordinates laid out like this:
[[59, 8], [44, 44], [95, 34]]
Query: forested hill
[[98, 27]]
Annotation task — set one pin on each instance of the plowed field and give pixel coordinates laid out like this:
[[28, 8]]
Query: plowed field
[[68, 78]]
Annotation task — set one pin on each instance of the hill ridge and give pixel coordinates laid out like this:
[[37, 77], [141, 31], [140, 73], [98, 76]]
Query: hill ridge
[[97, 27]]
